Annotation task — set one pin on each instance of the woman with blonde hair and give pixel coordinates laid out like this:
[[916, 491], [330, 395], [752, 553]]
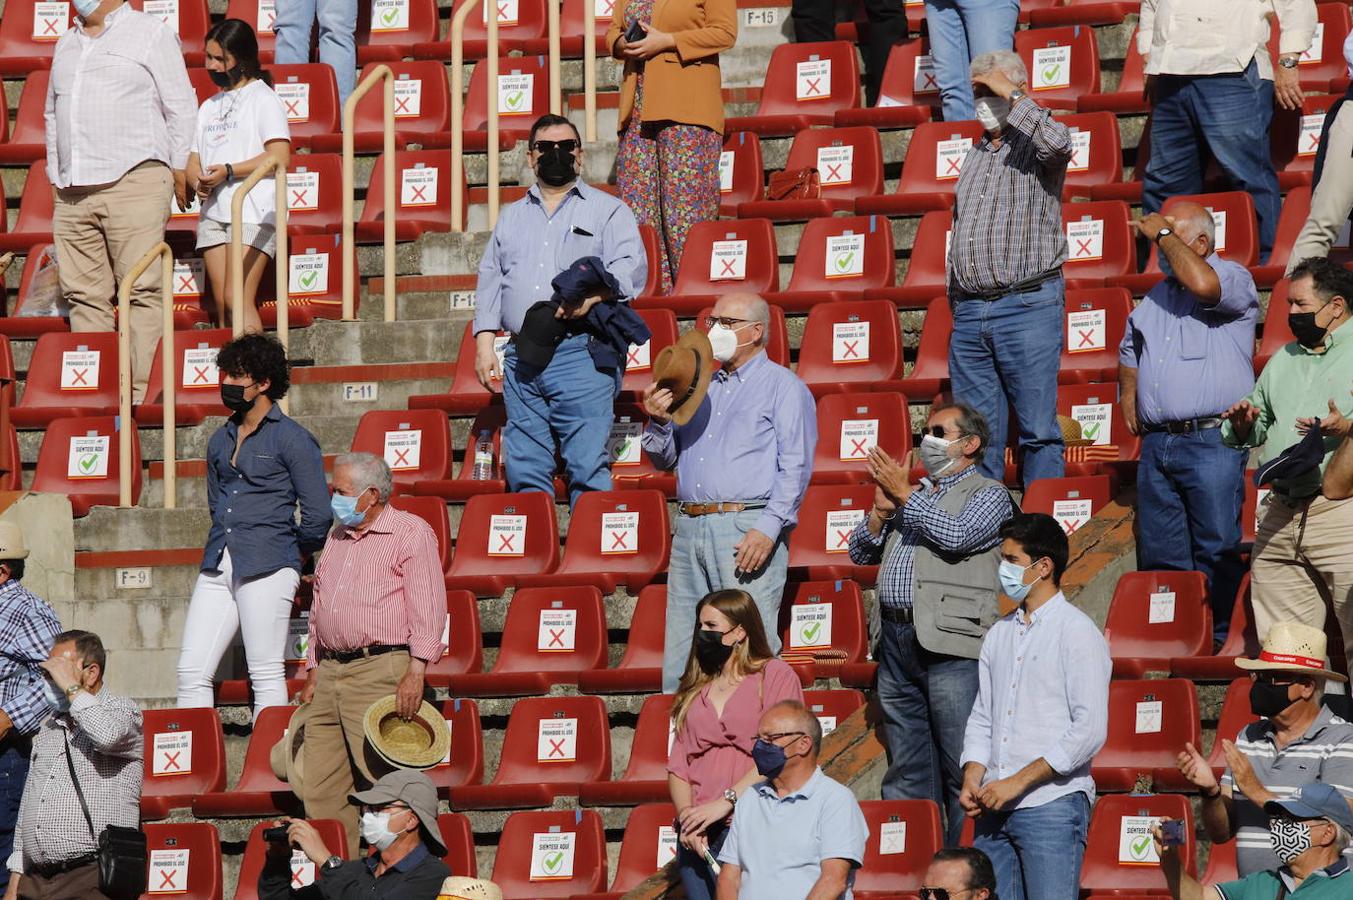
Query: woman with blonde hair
[[731, 678]]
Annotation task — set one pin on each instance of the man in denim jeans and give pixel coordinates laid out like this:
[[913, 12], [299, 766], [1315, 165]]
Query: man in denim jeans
[[337, 37], [1005, 269], [959, 31]]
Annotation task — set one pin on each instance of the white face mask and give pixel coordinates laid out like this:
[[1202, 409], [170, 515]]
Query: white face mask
[[935, 456], [992, 112], [724, 342], [55, 696], [376, 830], [85, 8]]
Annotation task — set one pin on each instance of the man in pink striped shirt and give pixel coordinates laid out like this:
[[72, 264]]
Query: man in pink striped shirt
[[376, 621]]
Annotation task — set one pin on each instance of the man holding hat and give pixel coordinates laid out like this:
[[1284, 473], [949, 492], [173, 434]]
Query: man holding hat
[[1309, 833], [399, 821], [742, 443], [28, 627], [1296, 743]]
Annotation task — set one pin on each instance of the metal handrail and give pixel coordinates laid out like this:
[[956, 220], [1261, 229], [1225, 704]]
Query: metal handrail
[[381, 72], [589, 71], [282, 265], [458, 198], [556, 84], [167, 378]]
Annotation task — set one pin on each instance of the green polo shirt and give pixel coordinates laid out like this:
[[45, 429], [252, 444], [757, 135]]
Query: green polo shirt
[[1299, 383], [1330, 883]]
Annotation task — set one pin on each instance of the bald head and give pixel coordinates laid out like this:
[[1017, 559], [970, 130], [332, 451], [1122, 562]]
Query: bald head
[[792, 716], [747, 307], [1191, 221]]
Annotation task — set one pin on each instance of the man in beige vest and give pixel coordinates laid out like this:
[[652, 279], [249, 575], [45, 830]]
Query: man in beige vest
[[937, 542]]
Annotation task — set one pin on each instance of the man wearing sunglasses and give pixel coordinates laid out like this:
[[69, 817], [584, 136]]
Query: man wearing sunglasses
[[1296, 742], [959, 873], [568, 405]]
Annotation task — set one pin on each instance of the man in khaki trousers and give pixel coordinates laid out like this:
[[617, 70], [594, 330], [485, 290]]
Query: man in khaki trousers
[[120, 115]]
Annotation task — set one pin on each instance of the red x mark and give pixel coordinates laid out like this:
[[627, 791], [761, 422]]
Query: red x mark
[[834, 172], [859, 447], [955, 165], [185, 283], [1315, 141], [167, 879], [77, 376], [272, 17], [848, 349], [812, 85], [49, 26], [296, 875], [502, 11], [293, 108], [401, 458], [300, 198], [633, 356], [505, 543], [556, 637], [727, 267], [842, 538], [171, 761], [556, 747], [1087, 338], [1083, 247], [401, 105], [930, 82], [419, 195], [199, 374], [1069, 526], [618, 540], [609, 9]]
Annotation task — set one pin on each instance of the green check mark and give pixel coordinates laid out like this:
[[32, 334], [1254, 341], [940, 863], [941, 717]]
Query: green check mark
[[810, 632], [553, 862], [844, 260], [514, 99], [88, 462], [1139, 846], [1092, 431], [1050, 73], [308, 279], [389, 16]]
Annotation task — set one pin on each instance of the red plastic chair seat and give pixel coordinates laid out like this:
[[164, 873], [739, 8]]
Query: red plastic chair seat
[[640, 669], [503, 539], [645, 778], [1149, 723], [806, 85], [184, 757]]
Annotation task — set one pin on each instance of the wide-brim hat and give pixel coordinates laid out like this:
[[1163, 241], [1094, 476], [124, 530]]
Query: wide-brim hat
[[685, 368], [286, 756], [1072, 436], [461, 888], [1292, 647], [419, 743], [12, 545]]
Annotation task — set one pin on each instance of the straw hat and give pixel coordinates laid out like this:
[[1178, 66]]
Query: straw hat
[[12, 544], [286, 756], [685, 368], [1292, 647], [458, 887], [1071, 432], [420, 743]]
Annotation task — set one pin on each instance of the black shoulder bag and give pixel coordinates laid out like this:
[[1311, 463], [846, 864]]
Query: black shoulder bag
[[122, 850]]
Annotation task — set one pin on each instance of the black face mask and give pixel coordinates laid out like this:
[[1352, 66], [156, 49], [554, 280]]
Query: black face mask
[[556, 168], [1268, 699], [710, 651], [226, 78], [1304, 329], [232, 397]]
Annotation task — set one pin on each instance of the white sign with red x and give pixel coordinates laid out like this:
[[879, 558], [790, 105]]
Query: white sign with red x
[[267, 15], [667, 844], [892, 838], [172, 753], [1051, 68], [1080, 151], [389, 15], [408, 97], [1149, 716], [1085, 239], [728, 260], [1071, 514], [507, 535], [1316, 52], [850, 342], [298, 637], [726, 171], [1161, 608], [1308, 141], [295, 97], [858, 437], [80, 370], [810, 626], [558, 631], [949, 156], [603, 9], [302, 870], [619, 533], [515, 93], [840, 523], [1085, 329], [508, 11], [1096, 421], [199, 367], [639, 357], [836, 164], [302, 190], [50, 20], [418, 186], [557, 740], [168, 872], [624, 444], [813, 79], [403, 448], [167, 11], [923, 79], [845, 255], [308, 274], [88, 456], [190, 276], [1219, 222]]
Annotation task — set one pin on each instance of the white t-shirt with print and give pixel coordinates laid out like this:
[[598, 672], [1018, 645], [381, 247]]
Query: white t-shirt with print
[[233, 126]]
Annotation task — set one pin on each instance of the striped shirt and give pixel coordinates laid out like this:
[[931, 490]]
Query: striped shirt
[[1008, 208], [27, 627], [1323, 754], [380, 585]]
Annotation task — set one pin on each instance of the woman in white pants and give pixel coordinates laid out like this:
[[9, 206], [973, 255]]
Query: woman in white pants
[[260, 466]]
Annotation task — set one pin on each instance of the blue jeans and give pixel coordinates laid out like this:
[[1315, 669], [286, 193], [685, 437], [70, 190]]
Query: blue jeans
[[926, 699], [702, 561], [1005, 352], [696, 876], [1226, 116], [571, 404], [959, 31], [1037, 852], [1190, 488], [337, 37], [13, 774]]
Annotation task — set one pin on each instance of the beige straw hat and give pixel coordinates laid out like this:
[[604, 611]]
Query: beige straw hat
[[420, 743]]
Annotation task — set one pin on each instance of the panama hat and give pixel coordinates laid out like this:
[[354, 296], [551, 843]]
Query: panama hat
[[419, 743], [458, 887], [12, 544], [1292, 647], [685, 368], [286, 756]]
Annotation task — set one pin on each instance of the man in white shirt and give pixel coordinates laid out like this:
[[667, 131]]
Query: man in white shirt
[[120, 113], [1212, 87]]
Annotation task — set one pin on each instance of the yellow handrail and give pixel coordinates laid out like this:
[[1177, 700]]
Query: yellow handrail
[[458, 199], [167, 378], [282, 265], [590, 71], [381, 72], [556, 91]]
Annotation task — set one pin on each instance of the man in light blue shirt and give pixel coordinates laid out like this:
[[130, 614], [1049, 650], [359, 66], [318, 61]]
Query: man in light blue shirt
[[798, 833], [1041, 716], [569, 404]]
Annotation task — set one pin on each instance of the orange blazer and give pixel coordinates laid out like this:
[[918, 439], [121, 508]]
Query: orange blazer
[[681, 85]]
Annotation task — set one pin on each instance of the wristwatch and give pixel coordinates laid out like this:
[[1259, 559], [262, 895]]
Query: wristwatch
[[230, 172], [332, 863], [1162, 233], [1017, 95], [731, 796], [71, 691], [1288, 62]]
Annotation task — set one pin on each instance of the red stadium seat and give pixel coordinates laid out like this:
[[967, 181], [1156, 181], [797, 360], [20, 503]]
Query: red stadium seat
[[1071, 501], [488, 422], [423, 183], [927, 270], [464, 652], [302, 869], [639, 366], [649, 236], [849, 161], [315, 195], [1296, 208], [1130, 97], [184, 757], [415, 443], [832, 707], [777, 347], [1241, 639], [1252, 510], [28, 39], [422, 109], [849, 425], [40, 259], [502, 539], [1277, 334], [571, 27], [34, 225], [465, 396], [523, 96], [1294, 138], [1063, 64], [1149, 723], [189, 19], [309, 92], [518, 22], [258, 792], [723, 256], [551, 634], [837, 260], [1235, 715], [389, 34], [458, 838], [742, 175], [184, 859], [806, 84], [649, 843], [1117, 858], [197, 385], [645, 778], [464, 763], [1116, 449], [909, 93], [1155, 616], [79, 458], [552, 746], [903, 836], [1237, 236], [1096, 319], [553, 854], [12, 479], [930, 171], [431, 510], [930, 374], [631, 466], [819, 546], [614, 538], [822, 626], [1101, 242], [1221, 864], [1324, 60], [314, 282], [27, 143], [260, 14], [849, 345], [1082, 12], [640, 669]]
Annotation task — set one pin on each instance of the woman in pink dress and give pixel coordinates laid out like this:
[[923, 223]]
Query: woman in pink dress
[[731, 678]]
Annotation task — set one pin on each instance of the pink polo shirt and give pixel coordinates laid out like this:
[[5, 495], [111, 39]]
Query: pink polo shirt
[[710, 753]]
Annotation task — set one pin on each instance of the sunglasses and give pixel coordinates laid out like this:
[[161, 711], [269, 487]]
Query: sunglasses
[[926, 893], [567, 146], [939, 432]]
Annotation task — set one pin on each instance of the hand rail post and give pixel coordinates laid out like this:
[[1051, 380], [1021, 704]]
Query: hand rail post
[[263, 170], [124, 374], [282, 271], [556, 89], [492, 61], [590, 71], [457, 34], [387, 183]]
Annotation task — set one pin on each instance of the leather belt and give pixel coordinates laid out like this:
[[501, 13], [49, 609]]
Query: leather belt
[[49, 870], [1019, 287], [347, 656], [898, 615], [709, 509], [1186, 426]]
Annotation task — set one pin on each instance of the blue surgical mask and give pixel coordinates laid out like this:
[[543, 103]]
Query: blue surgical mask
[[86, 7], [769, 758], [1012, 580], [345, 510]]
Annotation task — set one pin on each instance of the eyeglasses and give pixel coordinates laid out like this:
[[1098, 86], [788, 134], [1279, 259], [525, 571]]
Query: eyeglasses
[[926, 893], [772, 738], [566, 146], [389, 807], [725, 321]]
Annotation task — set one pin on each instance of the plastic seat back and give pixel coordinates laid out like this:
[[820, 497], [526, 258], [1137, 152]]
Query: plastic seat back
[[465, 762], [518, 20], [389, 33], [827, 516], [556, 740], [415, 443], [314, 280], [184, 756], [1236, 713], [523, 94], [1096, 319], [1324, 59], [742, 175], [823, 620], [423, 186], [1119, 855], [34, 224], [551, 854], [1071, 501], [930, 373], [844, 254], [1276, 332], [315, 195], [261, 16], [1099, 240], [849, 161], [309, 93], [1063, 63], [850, 425], [617, 537], [728, 256], [1098, 409], [1159, 615], [196, 379], [909, 77], [903, 836], [1097, 156], [183, 858], [464, 651], [855, 343], [431, 510], [458, 837], [501, 537], [639, 365], [422, 101], [650, 843], [303, 871], [80, 458], [28, 35], [189, 19], [29, 125], [75, 372], [814, 79], [553, 630], [1236, 226], [928, 267], [832, 707], [1149, 723], [777, 346], [652, 740], [935, 157]]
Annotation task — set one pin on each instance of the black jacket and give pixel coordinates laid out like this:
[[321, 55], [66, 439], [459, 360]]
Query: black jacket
[[418, 876]]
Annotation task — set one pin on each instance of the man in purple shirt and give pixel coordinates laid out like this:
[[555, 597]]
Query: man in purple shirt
[[1185, 358], [743, 462]]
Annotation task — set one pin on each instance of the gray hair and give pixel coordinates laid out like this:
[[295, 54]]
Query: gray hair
[[808, 722], [1342, 839], [368, 470], [970, 424], [757, 310], [1203, 223], [1007, 62]]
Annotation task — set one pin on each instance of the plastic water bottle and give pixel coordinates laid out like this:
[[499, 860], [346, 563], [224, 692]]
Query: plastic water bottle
[[483, 457]]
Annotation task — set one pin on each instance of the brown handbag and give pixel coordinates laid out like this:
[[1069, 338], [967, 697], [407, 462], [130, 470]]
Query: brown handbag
[[795, 184]]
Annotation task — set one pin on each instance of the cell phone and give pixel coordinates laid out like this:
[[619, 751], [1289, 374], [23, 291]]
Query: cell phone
[[635, 33], [275, 835], [712, 862], [1172, 833]]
